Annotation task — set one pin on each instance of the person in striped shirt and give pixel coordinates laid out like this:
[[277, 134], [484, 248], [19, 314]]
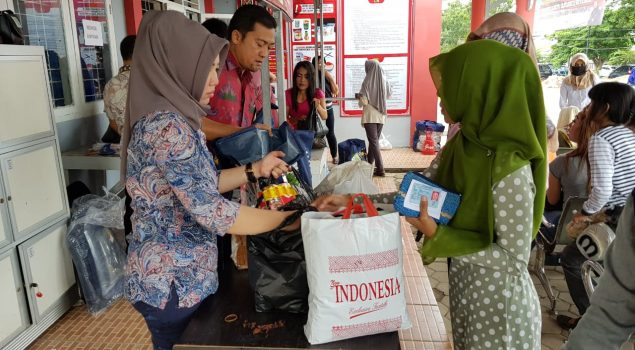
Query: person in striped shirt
[[611, 159]]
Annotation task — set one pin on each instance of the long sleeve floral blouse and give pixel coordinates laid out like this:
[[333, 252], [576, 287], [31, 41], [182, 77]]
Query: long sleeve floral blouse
[[178, 212]]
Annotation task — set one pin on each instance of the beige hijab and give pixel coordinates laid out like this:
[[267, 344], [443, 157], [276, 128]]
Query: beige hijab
[[584, 81], [375, 86], [173, 56], [509, 29], [567, 115]]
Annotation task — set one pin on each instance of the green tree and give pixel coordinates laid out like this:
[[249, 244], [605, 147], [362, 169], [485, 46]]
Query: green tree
[[616, 33], [622, 57], [455, 25], [456, 20]]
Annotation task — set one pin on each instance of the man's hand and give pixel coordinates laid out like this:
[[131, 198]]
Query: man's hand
[[424, 223], [264, 127], [331, 202], [271, 165]]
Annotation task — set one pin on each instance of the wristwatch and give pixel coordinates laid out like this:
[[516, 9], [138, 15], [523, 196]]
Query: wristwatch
[[250, 173]]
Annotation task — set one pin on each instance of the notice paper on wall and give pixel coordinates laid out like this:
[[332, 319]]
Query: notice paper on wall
[[93, 33], [396, 69]]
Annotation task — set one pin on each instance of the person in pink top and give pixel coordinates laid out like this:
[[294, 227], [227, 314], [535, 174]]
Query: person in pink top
[[304, 96], [238, 95]]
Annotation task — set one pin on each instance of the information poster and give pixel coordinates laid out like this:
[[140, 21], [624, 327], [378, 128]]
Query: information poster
[[307, 52], [553, 15], [301, 30], [303, 33], [377, 29], [396, 69]]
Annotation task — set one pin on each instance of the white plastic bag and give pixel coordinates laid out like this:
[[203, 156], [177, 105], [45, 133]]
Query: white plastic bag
[[384, 143], [355, 176], [355, 275]]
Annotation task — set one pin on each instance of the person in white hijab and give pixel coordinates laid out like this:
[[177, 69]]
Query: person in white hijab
[[575, 87]]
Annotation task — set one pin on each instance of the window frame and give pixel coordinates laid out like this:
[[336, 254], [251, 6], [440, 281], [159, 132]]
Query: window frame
[[79, 107]]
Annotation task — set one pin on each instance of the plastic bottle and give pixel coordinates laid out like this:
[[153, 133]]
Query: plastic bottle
[[428, 145]]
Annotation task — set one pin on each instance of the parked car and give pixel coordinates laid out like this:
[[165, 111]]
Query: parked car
[[562, 72], [545, 70], [621, 71], [605, 71]]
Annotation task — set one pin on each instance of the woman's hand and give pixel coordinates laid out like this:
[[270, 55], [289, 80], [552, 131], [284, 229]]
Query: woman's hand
[[294, 226], [331, 202], [424, 223], [320, 107], [271, 165]]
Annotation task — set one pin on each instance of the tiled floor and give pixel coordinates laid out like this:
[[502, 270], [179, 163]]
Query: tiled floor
[[121, 327], [404, 159]]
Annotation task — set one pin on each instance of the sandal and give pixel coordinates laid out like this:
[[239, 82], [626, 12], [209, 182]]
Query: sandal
[[566, 322]]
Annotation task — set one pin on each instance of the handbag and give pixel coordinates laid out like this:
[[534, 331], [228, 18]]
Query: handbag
[[355, 274], [314, 123], [10, 29], [252, 144]]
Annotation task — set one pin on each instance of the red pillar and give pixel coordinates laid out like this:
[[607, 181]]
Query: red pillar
[[478, 13], [133, 15], [526, 13], [426, 44], [209, 6]]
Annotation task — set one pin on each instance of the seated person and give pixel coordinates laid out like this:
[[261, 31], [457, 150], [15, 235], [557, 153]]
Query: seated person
[[568, 175], [116, 93], [611, 159]]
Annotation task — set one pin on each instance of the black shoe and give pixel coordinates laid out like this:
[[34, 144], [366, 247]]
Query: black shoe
[[379, 173], [566, 322]]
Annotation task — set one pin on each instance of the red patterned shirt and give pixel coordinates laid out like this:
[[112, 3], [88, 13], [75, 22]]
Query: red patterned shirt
[[238, 95]]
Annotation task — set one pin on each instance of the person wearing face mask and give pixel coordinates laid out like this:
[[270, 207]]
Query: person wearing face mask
[[575, 87]]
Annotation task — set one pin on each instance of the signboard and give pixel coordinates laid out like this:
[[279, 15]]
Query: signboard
[[377, 29], [553, 15], [286, 6], [307, 52], [303, 33], [93, 33]]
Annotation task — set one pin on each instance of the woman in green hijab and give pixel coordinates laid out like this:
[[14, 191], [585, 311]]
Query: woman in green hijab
[[498, 163]]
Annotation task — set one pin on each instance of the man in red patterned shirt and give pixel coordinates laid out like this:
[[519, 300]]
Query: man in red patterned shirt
[[238, 95]]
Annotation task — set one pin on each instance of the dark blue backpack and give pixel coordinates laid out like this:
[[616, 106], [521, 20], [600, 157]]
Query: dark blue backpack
[[352, 149]]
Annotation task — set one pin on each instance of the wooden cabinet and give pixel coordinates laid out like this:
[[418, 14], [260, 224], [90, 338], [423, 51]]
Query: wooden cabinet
[[36, 272], [34, 187], [5, 229], [13, 311], [39, 255], [25, 106]]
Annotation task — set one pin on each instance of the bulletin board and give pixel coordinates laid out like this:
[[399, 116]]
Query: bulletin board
[[391, 46]]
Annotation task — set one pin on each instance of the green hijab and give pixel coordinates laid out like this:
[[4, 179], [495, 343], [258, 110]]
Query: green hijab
[[494, 91]]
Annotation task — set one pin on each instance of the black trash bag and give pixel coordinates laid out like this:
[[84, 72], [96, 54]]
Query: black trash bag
[[277, 269]]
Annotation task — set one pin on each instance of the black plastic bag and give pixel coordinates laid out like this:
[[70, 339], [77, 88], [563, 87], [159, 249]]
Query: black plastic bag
[[10, 29], [277, 269]]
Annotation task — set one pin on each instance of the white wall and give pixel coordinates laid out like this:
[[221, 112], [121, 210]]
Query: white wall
[[119, 19], [396, 129]]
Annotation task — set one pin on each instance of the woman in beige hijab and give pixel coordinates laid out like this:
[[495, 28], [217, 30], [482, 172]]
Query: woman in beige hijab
[[171, 177], [507, 28], [574, 90]]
